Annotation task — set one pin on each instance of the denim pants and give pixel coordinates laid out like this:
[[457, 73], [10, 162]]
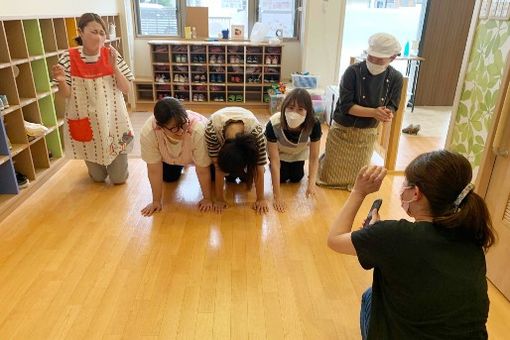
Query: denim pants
[[366, 304]]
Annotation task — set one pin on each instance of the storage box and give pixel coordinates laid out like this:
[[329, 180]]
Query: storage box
[[318, 108], [307, 82], [275, 102]]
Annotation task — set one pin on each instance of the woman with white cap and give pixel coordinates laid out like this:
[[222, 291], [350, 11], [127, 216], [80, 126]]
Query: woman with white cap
[[369, 93]]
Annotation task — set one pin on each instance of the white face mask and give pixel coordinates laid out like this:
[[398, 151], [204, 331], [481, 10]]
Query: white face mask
[[294, 119], [376, 69]]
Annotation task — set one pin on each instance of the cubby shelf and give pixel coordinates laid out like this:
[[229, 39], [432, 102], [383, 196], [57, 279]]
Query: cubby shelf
[[28, 49], [211, 72]]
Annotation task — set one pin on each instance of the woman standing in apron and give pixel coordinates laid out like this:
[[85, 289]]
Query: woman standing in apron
[[170, 139], [93, 77], [369, 95]]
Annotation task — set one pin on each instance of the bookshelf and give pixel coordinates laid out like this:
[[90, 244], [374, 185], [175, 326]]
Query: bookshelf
[[211, 72]]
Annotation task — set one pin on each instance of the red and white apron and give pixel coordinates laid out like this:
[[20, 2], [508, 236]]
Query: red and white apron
[[97, 120]]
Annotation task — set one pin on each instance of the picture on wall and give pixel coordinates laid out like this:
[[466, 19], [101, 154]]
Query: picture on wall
[[237, 32]]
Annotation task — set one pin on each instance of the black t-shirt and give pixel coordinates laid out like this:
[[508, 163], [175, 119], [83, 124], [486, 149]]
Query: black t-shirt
[[428, 282], [360, 87], [293, 136]]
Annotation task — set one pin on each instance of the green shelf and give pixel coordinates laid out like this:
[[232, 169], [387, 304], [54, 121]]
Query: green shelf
[[41, 76], [48, 114], [54, 144], [33, 37]]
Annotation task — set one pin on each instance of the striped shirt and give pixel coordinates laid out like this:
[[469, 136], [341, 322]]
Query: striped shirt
[[65, 61], [214, 135]]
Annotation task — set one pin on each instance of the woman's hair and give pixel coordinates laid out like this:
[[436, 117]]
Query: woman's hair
[[239, 155], [84, 21], [302, 98], [441, 176], [170, 108]]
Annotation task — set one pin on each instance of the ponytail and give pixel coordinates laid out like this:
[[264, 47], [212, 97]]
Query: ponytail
[[239, 155], [444, 178], [473, 217]]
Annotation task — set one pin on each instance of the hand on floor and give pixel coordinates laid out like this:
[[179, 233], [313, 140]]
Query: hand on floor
[[279, 205], [260, 206], [151, 208]]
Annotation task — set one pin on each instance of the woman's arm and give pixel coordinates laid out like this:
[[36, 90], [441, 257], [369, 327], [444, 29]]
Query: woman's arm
[[58, 73], [204, 178], [122, 82], [219, 182], [313, 166], [274, 163], [260, 205], [380, 113], [155, 173], [369, 180]]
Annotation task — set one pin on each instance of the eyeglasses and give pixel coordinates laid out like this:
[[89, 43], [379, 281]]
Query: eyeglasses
[[175, 129]]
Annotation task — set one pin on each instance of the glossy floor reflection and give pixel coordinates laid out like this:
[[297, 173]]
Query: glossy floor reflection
[[79, 261]]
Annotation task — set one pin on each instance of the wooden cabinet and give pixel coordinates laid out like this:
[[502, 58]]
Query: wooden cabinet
[[211, 72], [28, 49]]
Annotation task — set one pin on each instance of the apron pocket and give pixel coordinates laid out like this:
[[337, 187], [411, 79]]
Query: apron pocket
[[80, 129]]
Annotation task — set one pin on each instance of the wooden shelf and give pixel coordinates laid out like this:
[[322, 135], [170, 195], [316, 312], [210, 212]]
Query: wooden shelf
[[20, 61], [10, 109], [36, 139], [166, 60], [4, 158], [17, 148]]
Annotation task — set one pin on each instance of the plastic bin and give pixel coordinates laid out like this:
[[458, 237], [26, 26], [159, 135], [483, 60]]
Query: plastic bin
[[307, 82]]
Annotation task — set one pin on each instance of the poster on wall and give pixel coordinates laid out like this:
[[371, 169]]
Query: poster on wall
[[237, 32]]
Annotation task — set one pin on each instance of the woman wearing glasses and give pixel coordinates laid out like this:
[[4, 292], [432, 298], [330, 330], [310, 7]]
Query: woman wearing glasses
[[170, 139]]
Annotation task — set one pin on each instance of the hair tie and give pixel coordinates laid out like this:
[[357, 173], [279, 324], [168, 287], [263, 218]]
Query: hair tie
[[463, 195]]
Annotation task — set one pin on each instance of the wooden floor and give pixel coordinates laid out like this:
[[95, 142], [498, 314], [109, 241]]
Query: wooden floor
[[77, 260]]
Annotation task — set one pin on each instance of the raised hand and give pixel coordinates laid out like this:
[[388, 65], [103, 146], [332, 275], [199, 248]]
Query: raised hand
[[58, 73], [369, 179]]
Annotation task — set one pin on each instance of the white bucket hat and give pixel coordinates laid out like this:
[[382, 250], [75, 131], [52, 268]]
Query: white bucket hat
[[383, 45]]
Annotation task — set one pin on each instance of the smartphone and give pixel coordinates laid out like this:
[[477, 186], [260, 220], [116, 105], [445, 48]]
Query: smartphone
[[376, 205]]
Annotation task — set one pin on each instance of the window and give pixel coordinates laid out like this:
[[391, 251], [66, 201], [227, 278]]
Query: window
[[279, 14], [157, 17], [162, 17], [223, 14]]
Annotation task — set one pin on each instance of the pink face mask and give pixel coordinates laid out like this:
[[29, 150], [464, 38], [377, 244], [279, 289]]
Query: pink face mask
[[405, 204]]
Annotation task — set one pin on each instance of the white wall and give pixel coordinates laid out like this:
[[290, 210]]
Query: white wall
[[33, 8], [322, 39]]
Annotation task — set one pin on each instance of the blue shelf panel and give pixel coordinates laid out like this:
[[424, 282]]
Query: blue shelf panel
[[8, 184]]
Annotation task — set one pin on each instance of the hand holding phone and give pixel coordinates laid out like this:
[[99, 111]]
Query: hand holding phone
[[376, 205]]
